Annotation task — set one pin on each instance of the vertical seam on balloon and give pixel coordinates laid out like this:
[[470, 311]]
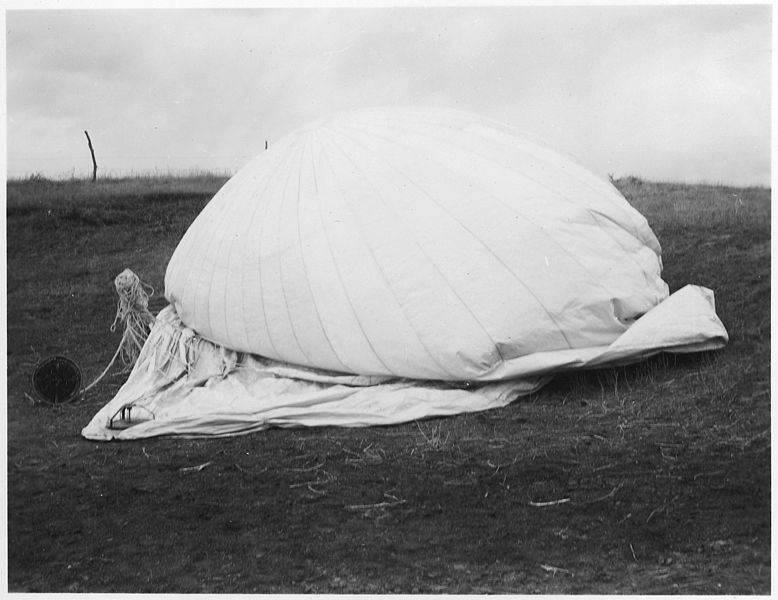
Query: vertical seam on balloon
[[305, 266], [242, 269], [259, 263], [222, 240], [281, 262], [226, 279], [269, 177], [240, 192], [394, 295], [489, 249], [340, 276]]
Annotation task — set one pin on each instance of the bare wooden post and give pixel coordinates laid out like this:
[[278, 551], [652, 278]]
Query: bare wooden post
[[94, 162]]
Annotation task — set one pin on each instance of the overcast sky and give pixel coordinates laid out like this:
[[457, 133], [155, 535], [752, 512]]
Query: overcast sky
[[665, 93]]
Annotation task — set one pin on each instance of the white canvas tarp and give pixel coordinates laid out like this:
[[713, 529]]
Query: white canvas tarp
[[388, 264]]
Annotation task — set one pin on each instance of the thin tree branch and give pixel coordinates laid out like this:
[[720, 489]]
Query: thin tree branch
[[91, 150]]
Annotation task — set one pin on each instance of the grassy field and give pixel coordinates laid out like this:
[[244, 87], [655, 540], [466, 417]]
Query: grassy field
[[665, 465]]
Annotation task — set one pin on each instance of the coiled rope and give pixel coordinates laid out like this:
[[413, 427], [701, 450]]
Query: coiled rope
[[133, 311]]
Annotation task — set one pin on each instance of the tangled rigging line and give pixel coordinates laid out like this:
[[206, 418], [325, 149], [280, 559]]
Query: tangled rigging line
[[133, 311]]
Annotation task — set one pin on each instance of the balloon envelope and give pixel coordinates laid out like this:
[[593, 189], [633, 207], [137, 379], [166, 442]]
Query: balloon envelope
[[420, 243]]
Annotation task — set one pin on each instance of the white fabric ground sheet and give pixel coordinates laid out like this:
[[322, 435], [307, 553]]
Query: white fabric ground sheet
[[185, 385]]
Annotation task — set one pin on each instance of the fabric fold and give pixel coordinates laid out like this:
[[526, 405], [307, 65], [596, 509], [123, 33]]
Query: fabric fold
[[185, 385]]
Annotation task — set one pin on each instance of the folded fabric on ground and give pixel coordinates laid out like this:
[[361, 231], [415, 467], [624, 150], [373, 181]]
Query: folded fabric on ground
[[185, 385], [389, 264]]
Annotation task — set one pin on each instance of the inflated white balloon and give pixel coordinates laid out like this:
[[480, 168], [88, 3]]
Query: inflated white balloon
[[422, 243]]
